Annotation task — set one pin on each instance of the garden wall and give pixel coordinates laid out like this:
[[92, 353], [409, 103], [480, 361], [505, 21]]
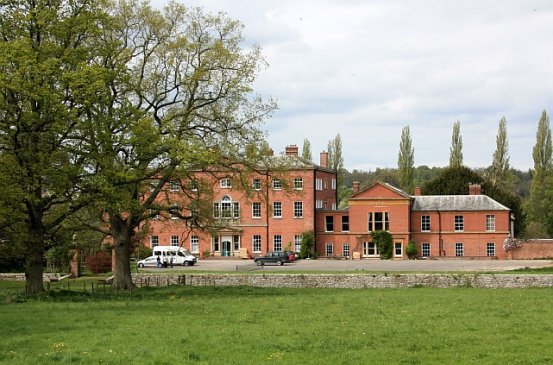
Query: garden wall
[[532, 249]]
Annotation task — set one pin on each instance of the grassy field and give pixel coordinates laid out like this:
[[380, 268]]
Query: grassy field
[[210, 325]]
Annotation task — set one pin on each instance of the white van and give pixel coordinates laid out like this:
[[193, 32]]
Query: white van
[[180, 256]]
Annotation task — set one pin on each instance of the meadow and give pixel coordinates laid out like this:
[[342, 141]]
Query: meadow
[[245, 325]]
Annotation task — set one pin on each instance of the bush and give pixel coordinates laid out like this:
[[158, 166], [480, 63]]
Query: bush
[[307, 243], [99, 263], [142, 252], [384, 241], [57, 259], [411, 250]]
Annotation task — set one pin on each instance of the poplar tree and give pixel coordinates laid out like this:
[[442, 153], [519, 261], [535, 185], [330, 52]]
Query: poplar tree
[[306, 150], [335, 159], [500, 164], [406, 162], [456, 149]]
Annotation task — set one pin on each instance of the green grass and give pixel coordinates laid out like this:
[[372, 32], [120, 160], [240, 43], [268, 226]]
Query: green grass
[[244, 325]]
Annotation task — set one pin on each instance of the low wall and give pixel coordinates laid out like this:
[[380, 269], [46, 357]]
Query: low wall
[[533, 249], [352, 281]]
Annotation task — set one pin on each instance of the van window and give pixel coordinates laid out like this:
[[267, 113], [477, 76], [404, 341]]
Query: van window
[[181, 253], [157, 253]]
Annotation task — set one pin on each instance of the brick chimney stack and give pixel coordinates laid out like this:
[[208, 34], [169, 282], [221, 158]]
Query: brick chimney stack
[[355, 187], [324, 159], [475, 189], [418, 191], [291, 150]]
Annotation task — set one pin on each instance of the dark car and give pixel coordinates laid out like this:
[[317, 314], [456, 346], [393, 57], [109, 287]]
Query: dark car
[[275, 257]]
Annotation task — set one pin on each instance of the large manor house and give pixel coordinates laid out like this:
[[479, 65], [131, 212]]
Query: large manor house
[[304, 198]]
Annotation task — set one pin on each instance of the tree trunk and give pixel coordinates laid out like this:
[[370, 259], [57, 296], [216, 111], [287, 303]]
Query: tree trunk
[[122, 234], [34, 264]]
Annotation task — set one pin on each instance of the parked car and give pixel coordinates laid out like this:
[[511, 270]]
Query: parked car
[[274, 257], [181, 258], [291, 256], [148, 261]]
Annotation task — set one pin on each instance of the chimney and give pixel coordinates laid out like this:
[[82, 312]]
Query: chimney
[[475, 189], [291, 150], [324, 159], [418, 191], [355, 187]]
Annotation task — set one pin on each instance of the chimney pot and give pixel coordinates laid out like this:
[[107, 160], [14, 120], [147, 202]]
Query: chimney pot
[[324, 159], [355, 187], [291, 150], [418, 191]]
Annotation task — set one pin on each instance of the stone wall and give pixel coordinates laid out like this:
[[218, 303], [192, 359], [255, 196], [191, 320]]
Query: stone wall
[[353, 281]]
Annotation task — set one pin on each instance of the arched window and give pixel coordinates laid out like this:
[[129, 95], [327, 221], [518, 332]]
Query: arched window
[[226, 208]]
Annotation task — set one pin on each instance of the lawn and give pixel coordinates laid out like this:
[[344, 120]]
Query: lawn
[[245, 325]]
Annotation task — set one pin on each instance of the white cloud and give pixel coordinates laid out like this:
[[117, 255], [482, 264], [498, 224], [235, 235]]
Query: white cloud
[[365, 69]]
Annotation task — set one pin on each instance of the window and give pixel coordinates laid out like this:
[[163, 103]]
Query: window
[[194, 244], [333, 184], [298, 209], [226, 209], [318, 204], [490, 249], [154, 241], [425, 223], [174, 211], [256, 185], [298, 183], [277, 242], [459, 223], [194, 185], [329, 249], [370, 249], [215, 241], [153, 184], [345, 223], [277, 184], [174, 185], [329, 223], [154, 213], [319, 184], [236, 243], [256, 210], [256, 243], [174, 240], [398, 249], [333, 206], [326, 183], [225, 183], [425, 248], [277, 209], [490, 223], [297, 242], [379, 221], [459, 249], [345, 250]]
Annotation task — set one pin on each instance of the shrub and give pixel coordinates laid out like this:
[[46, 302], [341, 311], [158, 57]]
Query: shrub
[[99, 263], [384, 241], [57, 259], [411, 250], [307, 243]]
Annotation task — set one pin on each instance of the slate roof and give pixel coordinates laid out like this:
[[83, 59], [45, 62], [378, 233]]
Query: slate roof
[[455, 203]]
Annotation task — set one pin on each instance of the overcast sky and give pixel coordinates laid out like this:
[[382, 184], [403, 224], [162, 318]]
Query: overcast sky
[[366, 69]]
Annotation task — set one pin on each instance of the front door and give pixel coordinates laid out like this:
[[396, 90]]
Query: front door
[[226, 243]]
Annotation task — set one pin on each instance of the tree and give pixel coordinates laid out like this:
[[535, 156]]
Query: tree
[[306, 150], [406, 162], [456, 149], [307, 244], [177, 99], [336, 160], [47, 52], [539, 205], [500, 164]]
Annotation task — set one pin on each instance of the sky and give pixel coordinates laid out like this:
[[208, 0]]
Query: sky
[[365, 69]]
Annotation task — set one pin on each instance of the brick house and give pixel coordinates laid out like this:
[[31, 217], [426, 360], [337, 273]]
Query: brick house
[[472, 225], [273, 215]]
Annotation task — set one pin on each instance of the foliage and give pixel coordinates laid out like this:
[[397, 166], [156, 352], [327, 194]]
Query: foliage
[[543, 149], [452, 181], [142, 251], [456, 149], [500, 163], [384, 242], [99, 263], [12, 257], [307, 244], [306, 150], [411, 250], [336, 160], [58, 258], [406, 162]]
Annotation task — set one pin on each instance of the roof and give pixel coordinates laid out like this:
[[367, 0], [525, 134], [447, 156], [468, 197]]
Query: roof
[[455, 203]]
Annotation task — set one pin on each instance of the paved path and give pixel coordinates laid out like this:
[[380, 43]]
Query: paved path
[[453, 265]]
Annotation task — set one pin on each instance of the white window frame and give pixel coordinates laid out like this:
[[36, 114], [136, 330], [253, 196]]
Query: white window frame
[[318, 204], [225, 183], [345, 223], [318, 184], [277, 243], [425, 223], [256, 210], [459, 223], [256, 184], [345, 250], [175, 240], [490, 223], [226, 208], [277, 209], [425, 249], [298, 183], [154, 241], [194, 244], [459, 249], [333, 184], [277, 184], [384, 222], [256, 243], [396, 253], [490, 249], [327, 221], [329, 249], [298, 209], [297, 242], [174, 185]]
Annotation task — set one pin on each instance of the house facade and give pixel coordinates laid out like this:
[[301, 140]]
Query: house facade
[[279, 208]]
